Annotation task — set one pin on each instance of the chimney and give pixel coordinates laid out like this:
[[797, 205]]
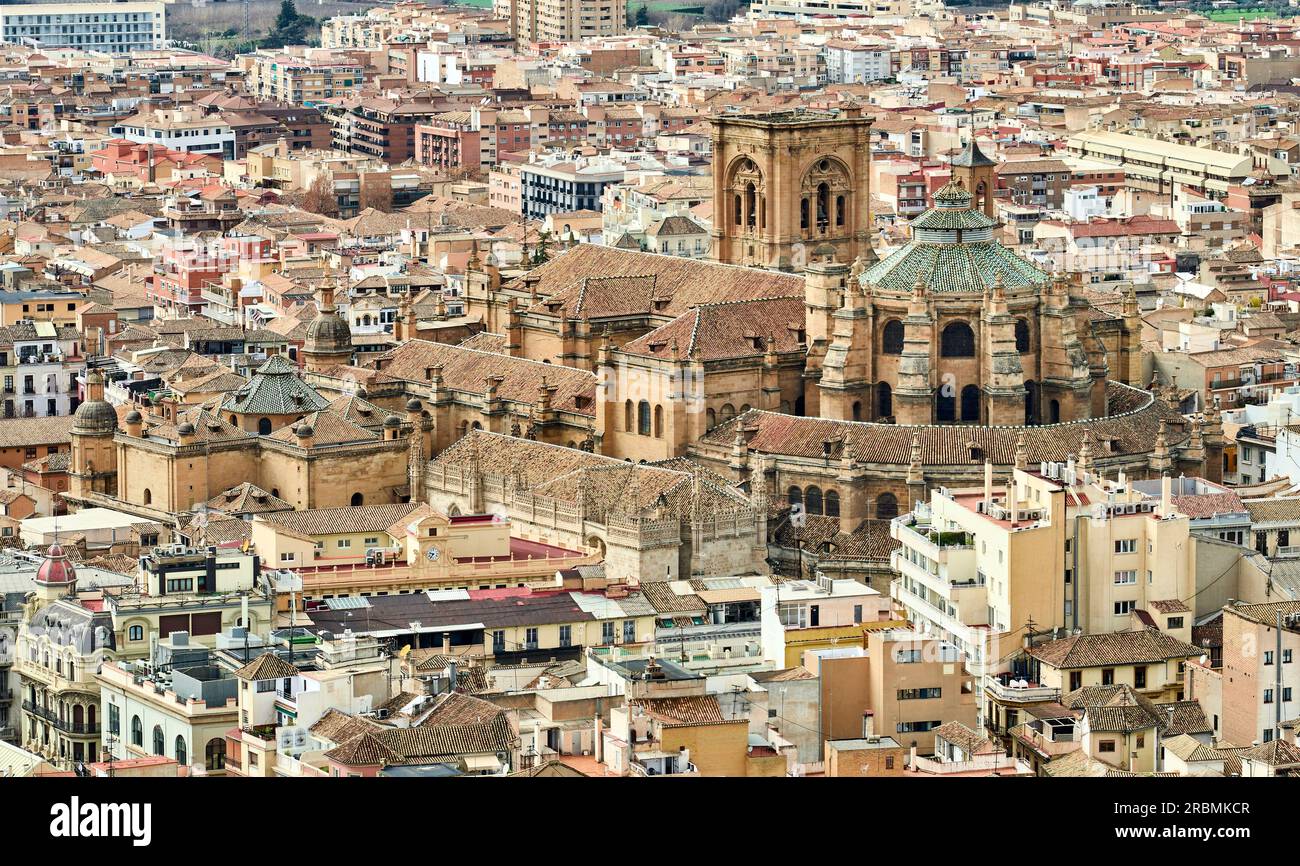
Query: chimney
[[988, 485], [1011, 502], [597, 739], [1166, 500], [868, 725], [446, 643]]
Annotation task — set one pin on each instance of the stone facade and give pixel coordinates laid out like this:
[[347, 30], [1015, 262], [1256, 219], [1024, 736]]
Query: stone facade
[[791, 187]]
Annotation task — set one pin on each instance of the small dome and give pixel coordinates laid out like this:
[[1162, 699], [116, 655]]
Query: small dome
[[56, 570], [304, 431], [186, 429], [413, 405], [95, 416], [134, 417], [328, 332], [392, 422]]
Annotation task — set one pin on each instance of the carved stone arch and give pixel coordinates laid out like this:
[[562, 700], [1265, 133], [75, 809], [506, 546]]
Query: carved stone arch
[[827, 169]]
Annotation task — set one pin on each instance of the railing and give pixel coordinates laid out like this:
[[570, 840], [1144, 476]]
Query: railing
[[979, 763], [62, 724], [1028, 694]]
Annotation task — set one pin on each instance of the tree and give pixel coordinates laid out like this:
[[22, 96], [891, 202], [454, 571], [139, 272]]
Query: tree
[[290, 27], [319, 197], [542, 252], [642, 16], [377, 197]]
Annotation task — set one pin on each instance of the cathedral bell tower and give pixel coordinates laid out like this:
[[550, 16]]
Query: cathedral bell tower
[[792, 187]]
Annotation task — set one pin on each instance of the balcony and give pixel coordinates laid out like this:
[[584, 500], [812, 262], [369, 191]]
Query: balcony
[[76, 729], [1033, 693]]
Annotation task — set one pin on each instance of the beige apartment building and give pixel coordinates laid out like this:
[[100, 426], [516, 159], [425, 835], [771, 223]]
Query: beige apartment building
[[300, 75], [916, 684], [1055, 548], [562, 20]]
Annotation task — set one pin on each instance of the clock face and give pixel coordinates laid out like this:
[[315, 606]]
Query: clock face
[[432, 554]]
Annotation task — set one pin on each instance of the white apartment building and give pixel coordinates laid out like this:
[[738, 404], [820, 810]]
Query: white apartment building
[[186, 129], [854, 63], [115, 28]]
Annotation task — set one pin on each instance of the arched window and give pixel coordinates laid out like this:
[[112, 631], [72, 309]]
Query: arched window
[[627, 417], [147, 496], [358, 499], [1054, 411], [884, 400], [137, 731], [945, 405], [727, 412], [812, 500], [710, 419], [803, 213], [891, 338], [1031, 402], [182, 755], [214, 754], [823, 205], [839, 210], [886, 506], [832, 504], [234, 419], [751, 206], [740, 210], [857, 410], [643, 418], [794, 496], [659, 422], [275, 491], [78, 716], [90, 715], [957, 341], [1022, 336], [263, 426], [135, 632], [157, 740], [477, 425], [970, 403]]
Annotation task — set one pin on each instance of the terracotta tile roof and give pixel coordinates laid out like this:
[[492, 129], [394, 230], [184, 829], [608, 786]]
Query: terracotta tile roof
[[247, 498], [603, 484], [1132, 425], [364, 749], [1183, 717], [1208, 504], [686, 710], [26, 432], [267, 666], [591, 281], [1275, 753], [665, 601], [327, 428], [339, 727], [1107, 650], [735, 329], [970, 742], [467, 370], [1280, 510], [1170, 605], [330, 521], [1190, 749], [1265, 614]]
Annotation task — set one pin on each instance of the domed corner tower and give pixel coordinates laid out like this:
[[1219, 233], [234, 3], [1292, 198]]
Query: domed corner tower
[[788, 182], [93, 466], [56, 577], [328, 342]]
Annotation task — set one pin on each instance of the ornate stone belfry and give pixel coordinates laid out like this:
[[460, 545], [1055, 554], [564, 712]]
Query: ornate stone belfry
[[788, 182]]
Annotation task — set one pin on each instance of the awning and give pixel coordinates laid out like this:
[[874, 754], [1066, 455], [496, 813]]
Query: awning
[[480, 763]]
